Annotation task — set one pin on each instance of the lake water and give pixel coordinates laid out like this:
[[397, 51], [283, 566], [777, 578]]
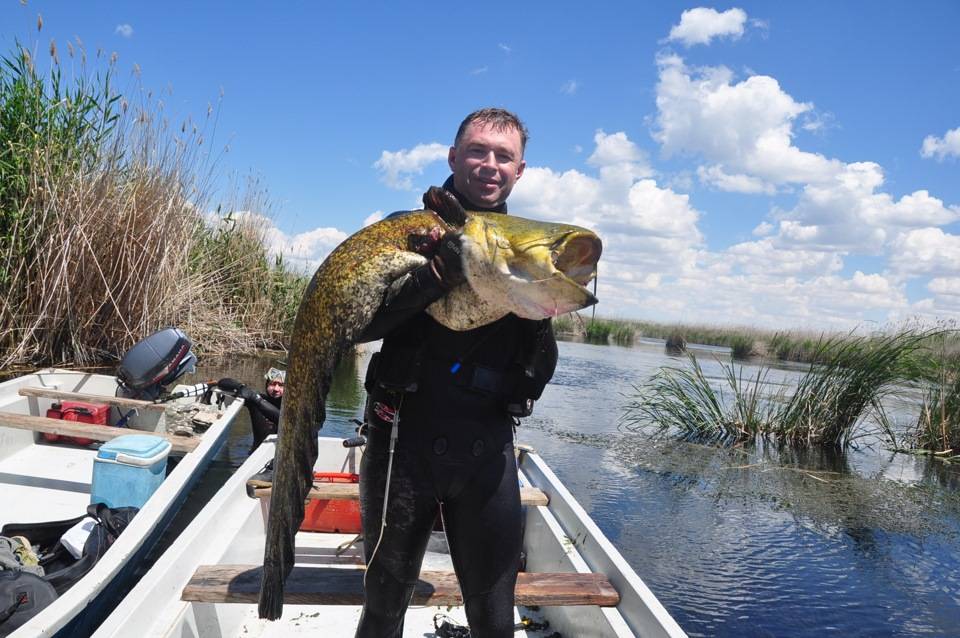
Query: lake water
[[733, 541]]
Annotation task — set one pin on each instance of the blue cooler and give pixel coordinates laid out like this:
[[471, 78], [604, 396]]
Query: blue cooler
[[128, 470]]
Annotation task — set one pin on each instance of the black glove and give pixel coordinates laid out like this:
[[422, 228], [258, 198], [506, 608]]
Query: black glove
[[447, 263], [236, 388], [443, 203]]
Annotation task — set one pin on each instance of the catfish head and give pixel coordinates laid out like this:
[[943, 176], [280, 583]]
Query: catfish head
[[530, 268]]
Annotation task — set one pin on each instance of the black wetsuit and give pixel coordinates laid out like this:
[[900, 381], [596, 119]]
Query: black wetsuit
[[454, 447], [263, 419]]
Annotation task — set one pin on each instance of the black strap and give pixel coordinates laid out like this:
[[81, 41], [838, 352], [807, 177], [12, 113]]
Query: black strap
[[5, 615]]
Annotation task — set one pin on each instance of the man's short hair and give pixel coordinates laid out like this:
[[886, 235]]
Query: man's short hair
[[497, 119]]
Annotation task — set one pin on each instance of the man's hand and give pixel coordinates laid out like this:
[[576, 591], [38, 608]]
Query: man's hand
[[236, 388], [447, 263]]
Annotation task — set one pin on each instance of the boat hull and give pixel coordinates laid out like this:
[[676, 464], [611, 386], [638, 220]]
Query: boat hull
[[229, 531]]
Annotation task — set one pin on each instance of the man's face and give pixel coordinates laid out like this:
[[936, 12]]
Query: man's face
[[275, 389], [486, 163]]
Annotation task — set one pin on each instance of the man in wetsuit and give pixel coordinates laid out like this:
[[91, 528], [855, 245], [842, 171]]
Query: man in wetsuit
[[451, 400], [264, 409]]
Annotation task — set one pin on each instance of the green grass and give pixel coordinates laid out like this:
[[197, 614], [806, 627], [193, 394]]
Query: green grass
[[823, 409]]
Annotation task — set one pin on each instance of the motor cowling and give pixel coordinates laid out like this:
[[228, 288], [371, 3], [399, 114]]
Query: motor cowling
[[153, 363]]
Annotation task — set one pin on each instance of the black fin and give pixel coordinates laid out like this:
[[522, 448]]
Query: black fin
[[443, 203]]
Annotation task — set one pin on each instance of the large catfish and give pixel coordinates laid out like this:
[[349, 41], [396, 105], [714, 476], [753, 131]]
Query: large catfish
[[532, 269]]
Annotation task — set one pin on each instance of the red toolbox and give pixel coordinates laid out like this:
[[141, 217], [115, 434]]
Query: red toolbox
[[333, 515], [80, 412]]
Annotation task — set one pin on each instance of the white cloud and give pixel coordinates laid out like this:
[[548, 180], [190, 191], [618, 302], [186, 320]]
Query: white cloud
[[701, 25], [124, 30], [945, 286], [744, 129], [544, 194], [942, 147], [926, 251], [739, 183], [373, 218], [849, 212], [306, 250], [479, 70], [763, 229], [398, 167], [710, 294], [614, 148], [569, 87], [506, 48], [765, 258]]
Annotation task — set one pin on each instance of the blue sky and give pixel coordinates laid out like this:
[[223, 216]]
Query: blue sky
[[784, 165]]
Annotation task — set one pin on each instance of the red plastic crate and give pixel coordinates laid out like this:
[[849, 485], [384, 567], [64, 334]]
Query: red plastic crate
[[333, 515], [77, 411]]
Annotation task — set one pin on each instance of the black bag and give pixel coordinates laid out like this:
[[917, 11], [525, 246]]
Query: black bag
[[61, 569], [22, 596]]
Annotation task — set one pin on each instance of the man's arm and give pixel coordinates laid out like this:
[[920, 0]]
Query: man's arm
[[405, 297], [252, 399], [419, 288]]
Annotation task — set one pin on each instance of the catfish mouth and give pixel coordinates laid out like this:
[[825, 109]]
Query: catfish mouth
[[576, 255]]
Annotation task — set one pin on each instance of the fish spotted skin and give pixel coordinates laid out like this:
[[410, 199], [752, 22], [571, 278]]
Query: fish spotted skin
[[535, 269], [340, 301]]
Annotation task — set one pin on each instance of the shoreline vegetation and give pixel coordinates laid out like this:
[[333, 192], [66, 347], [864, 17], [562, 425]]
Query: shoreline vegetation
[[744, 342], [838, 400], [104, 236]]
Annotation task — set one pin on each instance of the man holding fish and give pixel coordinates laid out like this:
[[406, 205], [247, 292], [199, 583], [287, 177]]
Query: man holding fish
[[454, 447], [461, 295]]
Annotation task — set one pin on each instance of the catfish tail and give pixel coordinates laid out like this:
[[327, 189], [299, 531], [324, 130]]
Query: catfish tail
[[292, 480]]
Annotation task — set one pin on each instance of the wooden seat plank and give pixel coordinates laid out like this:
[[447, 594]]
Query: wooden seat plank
[[180, 444], [351, 492], [119, 402], [336, 586]]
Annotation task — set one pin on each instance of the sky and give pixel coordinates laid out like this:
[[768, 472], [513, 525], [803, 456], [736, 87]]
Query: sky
[[787, 165]]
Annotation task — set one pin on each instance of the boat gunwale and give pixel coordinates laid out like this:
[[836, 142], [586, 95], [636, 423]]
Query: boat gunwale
[[639, 607]]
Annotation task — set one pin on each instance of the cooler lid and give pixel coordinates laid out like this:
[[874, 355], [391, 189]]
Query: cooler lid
[[136, 449]]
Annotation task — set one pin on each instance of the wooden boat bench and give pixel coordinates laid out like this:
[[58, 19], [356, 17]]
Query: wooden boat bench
[[179, 444], [120, 402], [351, 492], [344, 586]]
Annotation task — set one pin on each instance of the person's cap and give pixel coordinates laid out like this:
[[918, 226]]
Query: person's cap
[[274, 374]]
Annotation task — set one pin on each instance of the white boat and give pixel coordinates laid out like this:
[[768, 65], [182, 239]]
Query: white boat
[[207, 582], [52, 481]]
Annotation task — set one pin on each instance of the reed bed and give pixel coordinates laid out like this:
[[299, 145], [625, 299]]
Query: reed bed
[[938, 425], [823, 408], [102, 235], [801, 346], [935, 429]]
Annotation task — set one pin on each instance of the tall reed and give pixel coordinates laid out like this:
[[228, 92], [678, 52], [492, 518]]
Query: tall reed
[[938, 425], [828, 402], [102, 234]]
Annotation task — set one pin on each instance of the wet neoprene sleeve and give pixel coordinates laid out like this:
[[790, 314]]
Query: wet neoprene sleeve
[[266, 408], [405, 297]]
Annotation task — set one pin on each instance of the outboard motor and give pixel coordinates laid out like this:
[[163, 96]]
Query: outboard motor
[[153, 363]]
